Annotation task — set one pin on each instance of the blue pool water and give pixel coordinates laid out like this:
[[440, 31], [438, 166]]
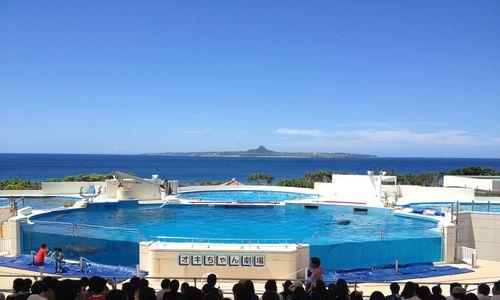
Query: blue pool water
[[247, 196], [39, 202], [377, 231]]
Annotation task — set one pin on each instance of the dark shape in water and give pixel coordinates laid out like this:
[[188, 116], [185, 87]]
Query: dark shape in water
[[343, 222], [83, 248], [309, 206]]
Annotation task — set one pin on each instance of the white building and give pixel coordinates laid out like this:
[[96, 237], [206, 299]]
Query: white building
[[356, 189], [379, 190], [484, 183]]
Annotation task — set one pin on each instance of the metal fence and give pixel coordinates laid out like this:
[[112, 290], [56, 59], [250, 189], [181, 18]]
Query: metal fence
[[5, 245], [202, 241]]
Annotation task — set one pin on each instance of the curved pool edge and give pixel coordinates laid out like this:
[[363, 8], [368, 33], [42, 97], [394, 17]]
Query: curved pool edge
[[200, 188], [318, 201], [440, 221]]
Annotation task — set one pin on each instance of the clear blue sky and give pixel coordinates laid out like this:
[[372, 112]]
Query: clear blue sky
[[393, 78]]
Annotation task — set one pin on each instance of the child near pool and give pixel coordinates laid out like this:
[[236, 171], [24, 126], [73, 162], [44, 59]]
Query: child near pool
[[57, 257], [60, 258]]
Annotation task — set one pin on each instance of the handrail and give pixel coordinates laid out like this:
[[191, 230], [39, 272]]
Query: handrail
[[207, 240], [84, 225], [382, 231], [453, 207], [76, 226], [14, 204]]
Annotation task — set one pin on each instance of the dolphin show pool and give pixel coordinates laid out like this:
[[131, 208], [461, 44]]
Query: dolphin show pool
[[345, 237]]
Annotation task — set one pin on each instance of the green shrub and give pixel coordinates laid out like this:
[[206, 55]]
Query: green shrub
[[83, 177], [260, 178], [308, 180], [475, 171], [19, 184]]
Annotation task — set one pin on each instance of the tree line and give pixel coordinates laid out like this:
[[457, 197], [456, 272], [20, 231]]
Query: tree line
[[20, 184]]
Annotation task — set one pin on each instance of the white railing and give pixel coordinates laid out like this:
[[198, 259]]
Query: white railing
[[5, 245], [468, 255], [201, 240]]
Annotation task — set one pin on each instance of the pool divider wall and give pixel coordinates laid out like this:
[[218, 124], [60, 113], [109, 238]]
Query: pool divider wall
[[14, 232], [279, 261], [480, 231], [449, 243]]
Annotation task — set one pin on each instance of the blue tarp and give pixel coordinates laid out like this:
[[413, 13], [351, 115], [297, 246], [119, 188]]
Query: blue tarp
[[384, 273], [23, 262], [387, 273]]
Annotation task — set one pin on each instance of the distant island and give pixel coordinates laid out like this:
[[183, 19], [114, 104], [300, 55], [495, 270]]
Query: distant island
[[262, 151]]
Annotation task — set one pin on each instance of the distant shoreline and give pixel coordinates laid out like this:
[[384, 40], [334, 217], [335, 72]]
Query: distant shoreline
[[261, 156], [261, 151]]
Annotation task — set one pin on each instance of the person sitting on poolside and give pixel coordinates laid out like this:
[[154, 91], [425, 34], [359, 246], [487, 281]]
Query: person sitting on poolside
[[394, 292], [437, 293], [98, 288], [38, 290], [184, 288], [452, 286], [458, 293], [173, 294], [410, 291], [165, 288], [319, 292], [271, 292], [483, 292], [210, 287], [496, 291], [286, 294], [18, 285]]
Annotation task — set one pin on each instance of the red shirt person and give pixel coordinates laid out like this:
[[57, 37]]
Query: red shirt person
[[40, 257]]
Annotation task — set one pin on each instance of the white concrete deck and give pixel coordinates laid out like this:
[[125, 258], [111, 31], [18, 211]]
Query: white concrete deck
[[214, 246]]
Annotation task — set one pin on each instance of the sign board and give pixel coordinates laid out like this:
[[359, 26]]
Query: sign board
[[223, 260]]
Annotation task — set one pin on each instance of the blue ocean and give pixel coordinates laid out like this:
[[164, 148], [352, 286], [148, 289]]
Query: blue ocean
[[193, 169]]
